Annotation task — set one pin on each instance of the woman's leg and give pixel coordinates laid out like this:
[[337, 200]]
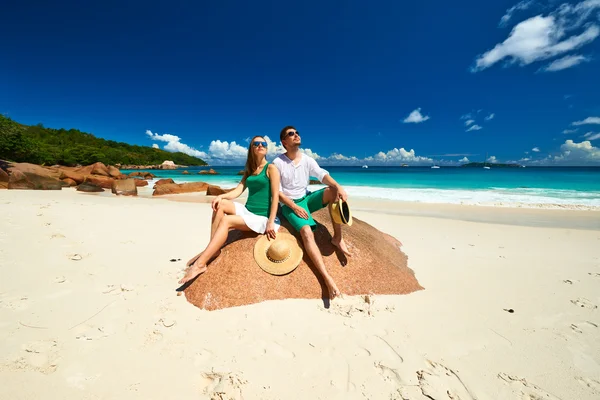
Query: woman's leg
[[199, 266], [225, 208]]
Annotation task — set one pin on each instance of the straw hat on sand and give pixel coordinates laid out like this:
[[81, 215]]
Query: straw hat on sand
[[279, 256]]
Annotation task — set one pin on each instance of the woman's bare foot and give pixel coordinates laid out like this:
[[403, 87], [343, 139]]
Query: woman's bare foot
[[332, 288], [197, 256], [340, 244], [191, 273]]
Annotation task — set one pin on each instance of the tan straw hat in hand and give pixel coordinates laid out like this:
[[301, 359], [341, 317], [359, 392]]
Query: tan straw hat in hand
[[280, 256]]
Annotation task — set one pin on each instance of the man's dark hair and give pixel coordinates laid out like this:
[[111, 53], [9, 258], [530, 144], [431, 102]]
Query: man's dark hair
[[283, 133]]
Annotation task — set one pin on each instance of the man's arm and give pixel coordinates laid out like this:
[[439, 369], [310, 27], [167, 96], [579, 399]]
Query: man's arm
[[299, 211], [325, 177]]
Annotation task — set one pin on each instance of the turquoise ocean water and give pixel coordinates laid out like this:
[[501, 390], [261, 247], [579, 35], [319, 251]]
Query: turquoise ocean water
[[528, 186]]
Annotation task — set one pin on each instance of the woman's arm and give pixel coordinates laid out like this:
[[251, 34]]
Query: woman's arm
[[273, 174], [235, 193]]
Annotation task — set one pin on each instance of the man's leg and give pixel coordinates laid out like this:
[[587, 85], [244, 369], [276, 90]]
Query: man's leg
[[330, 195], [308, 238]]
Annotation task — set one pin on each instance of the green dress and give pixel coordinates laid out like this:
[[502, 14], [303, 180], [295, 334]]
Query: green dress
[[259, 193]]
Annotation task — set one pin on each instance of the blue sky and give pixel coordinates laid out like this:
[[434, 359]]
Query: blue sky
[[389, 81]]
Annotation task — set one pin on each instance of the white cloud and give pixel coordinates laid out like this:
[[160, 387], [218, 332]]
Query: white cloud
[[490, 117], [567, 131], [588, 120], [416, 117], [398, 155], [578, 153], [174, 144], [492, 159], [224, 151], [564, 63], [469, 122], [467, 116], [155, 146], [525, 159], [536, 149], [474, 128], [523, 5], [592, 135], [539, 38], [464, 159]]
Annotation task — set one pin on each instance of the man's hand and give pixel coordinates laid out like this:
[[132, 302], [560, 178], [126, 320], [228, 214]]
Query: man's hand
[[215, 203], [299, 211], [270, 231], [342, 193]]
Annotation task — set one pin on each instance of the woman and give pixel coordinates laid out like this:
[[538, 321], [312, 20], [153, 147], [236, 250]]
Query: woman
[[258, 215]]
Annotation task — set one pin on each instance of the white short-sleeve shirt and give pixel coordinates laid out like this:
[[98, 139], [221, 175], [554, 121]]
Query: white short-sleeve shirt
[[295, 177]]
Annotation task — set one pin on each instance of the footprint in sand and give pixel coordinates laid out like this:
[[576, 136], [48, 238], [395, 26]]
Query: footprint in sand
[[584, 303], [226, 385], [57, 236], [526, 390], [589, 383], [353, 305], [583, 326], [90, 332], [594, 274], [440, 382], [39, 356]]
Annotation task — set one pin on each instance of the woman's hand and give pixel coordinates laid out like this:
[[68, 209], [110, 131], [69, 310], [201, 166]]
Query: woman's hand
[[216, 202], [270, 231], [301, 212]]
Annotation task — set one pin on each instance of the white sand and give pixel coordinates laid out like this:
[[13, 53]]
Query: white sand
[[110, 326]]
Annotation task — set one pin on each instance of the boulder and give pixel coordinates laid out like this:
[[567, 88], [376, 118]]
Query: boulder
[[142, 174], [377, 266], [213, 190], [114, 172], [69, 182], [31, 176], [241, 172], [314, 182], [209, 172], [89, 187], [140, 182], [126, 187], [168, 165], [94, 169], [3, 179], [185, 173], [71, 174], [99, 180], [163, 182], [177, 188]]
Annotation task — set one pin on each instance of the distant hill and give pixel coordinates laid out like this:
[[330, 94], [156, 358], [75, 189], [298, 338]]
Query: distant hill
[[45, 146], [493, 165]]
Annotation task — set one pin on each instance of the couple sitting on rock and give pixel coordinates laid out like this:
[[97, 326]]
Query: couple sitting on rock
[[285, 180]]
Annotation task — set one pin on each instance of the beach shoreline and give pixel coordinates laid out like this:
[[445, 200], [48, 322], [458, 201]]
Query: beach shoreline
[[88, 284]]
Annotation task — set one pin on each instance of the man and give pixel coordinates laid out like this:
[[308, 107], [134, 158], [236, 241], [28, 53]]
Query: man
[[298, 203]]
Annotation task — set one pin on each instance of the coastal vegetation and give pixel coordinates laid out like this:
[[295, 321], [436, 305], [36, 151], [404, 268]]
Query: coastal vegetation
[[37, 144]]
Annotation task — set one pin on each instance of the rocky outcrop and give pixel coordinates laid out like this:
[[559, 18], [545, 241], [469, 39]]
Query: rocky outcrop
[[31, 176], [125, 187], [140, 182], [241, 172], [104, 182], [209, 172], [185, 173], [177, 188], [114, 172], [68, 182], [377, 266], [143, 175], [89, 187], [3, 179], [163, 182], [165, 165], [213, 190], [314, 182]]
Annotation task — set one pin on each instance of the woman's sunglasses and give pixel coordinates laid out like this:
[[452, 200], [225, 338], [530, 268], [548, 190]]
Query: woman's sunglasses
[[257, 143], [290, 134]]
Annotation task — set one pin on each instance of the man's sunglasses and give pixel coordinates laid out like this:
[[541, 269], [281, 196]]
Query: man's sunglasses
[[257, 143], [292, 133]]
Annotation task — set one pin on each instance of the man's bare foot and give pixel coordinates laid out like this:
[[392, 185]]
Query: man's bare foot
[[191, 273], [342, 246], [332, 288]]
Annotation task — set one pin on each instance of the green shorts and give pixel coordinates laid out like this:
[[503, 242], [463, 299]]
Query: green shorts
[[311, 203]]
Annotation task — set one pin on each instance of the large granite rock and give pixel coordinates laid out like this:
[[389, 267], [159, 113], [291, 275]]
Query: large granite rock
[[140, 182], [68, 182], [114, 172], [177, 188], [70, 173], [209, 172], [125, 187], [31, 176], [89, 187], [213, 190], [100, 180], [378, 266], [163, 181], [142, 174], [3, 179]]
